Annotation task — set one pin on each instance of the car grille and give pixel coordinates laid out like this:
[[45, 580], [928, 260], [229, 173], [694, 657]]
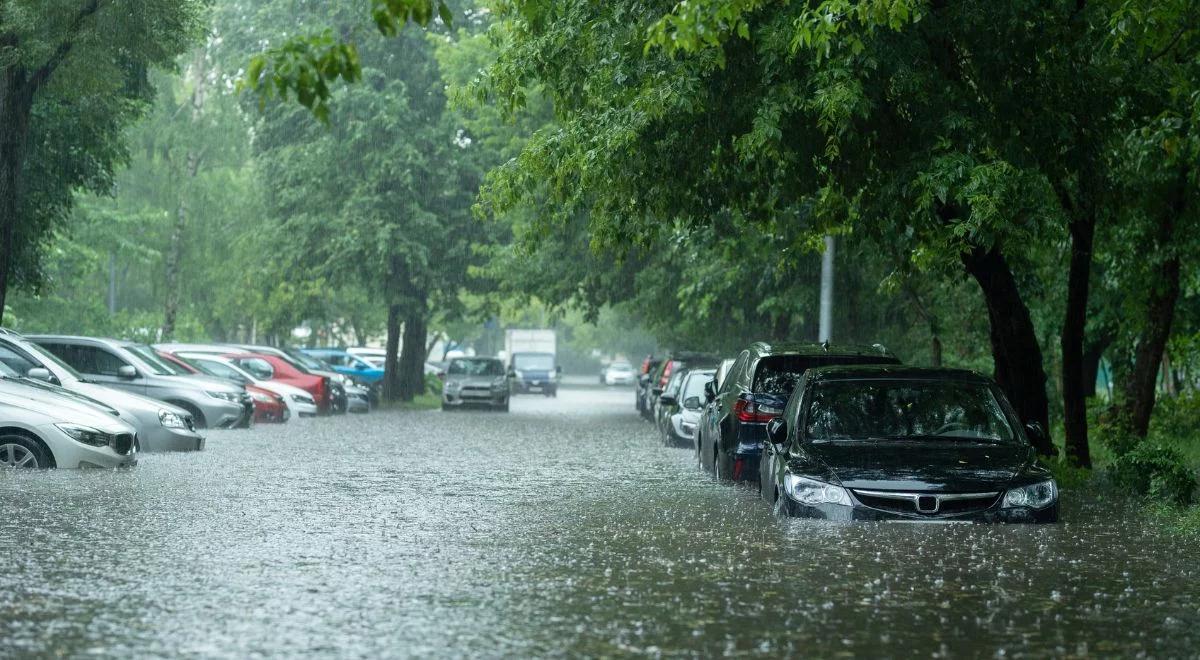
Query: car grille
[[927, 504], [123, 443]]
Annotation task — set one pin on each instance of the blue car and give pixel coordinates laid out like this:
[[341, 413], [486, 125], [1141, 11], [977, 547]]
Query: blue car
[[356, 368]]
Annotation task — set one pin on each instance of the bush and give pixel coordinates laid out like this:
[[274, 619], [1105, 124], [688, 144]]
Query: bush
[[1154, 471]]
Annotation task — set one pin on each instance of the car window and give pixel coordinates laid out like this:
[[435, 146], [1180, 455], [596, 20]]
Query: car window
[[533, 361], [88, 359], [468, 367], [15, 361], [906, 410], [258, 367]]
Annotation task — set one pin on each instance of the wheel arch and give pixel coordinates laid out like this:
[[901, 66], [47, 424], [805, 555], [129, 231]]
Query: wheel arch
[[34, 437]]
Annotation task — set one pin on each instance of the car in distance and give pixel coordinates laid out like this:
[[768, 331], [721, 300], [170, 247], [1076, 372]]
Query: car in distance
[[41, 428], [296, 400], [137, 368], [160, 426], [904, 443], [618, 373], [732, 428], [476, 381]]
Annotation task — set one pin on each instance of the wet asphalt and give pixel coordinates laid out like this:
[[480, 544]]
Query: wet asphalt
[[560, 529]]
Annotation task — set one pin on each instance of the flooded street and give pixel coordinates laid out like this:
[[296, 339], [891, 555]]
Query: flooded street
[[562, 528]]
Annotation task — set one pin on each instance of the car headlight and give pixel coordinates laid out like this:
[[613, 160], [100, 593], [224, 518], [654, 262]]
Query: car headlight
[[171, 420], [85, 434], [231, 397], [1034, 496], [812, 492]]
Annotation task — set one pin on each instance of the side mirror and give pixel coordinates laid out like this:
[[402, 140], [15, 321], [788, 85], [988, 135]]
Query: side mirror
[[127, 372], [692, 403], [777, 431], [667, 400], [1035, 432], [40, 373], [710, 391]]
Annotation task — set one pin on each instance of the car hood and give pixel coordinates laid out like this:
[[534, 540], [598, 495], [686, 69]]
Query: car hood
[[207, 383], [938, 466], [131, 403], [58, 405]]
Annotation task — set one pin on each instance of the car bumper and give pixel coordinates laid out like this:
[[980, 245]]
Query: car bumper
[[224, 415], [459, 399], [858, 512], [70, 454], [165, 439]]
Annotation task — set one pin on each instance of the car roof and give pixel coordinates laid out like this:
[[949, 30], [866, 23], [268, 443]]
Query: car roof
[[766, 349], [894, 372]]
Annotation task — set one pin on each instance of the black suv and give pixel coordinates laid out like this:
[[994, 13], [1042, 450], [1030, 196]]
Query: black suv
[[732, 429]]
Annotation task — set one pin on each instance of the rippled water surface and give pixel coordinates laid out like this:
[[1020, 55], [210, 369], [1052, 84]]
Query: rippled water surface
[[562, 528]]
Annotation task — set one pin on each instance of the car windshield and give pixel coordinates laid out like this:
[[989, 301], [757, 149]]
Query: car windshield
[[155, 364], [533, 361], [475, 368], [694, 387], [778, 374], [906, 410]]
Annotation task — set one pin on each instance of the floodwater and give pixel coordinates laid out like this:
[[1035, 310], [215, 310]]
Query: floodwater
[[562, 528]]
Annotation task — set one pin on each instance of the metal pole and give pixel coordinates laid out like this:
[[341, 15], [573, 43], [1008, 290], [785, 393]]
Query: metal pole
[[826, 328]]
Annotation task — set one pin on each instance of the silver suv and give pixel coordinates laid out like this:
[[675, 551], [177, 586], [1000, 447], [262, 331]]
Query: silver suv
[[133, 367]]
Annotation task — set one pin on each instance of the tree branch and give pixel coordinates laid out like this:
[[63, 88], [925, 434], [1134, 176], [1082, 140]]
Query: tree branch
[[43, 72]]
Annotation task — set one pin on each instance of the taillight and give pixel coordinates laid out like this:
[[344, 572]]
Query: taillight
[[750, 411], [666, 375]]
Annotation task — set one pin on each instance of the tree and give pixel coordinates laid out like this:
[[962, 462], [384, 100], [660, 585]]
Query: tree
[[73, 75]]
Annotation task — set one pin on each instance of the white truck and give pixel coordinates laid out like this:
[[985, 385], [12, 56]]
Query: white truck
[[532, 355]]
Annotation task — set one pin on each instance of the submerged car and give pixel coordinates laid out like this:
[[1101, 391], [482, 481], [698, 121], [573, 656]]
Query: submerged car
[[137, 368], [683, 408], [904, 444], [733, 426], [44, 428], [160, 426], [476, 381]]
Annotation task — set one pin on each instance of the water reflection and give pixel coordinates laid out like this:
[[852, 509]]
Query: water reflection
[[562, 528]]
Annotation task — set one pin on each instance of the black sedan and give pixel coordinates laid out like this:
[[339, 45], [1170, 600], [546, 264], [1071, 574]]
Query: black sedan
[[904, 444]]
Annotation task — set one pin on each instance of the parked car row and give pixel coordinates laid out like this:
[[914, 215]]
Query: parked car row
[[845, 432], [70, 401]]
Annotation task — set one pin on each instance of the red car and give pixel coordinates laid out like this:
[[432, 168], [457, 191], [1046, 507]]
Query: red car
[[270, 367], [269, 407]]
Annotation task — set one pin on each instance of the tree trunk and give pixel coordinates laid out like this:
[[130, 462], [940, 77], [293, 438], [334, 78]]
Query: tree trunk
[[1160, 313], [1074, 380], [412, 357], [391, 362], [1015, 349], [16, 104]]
